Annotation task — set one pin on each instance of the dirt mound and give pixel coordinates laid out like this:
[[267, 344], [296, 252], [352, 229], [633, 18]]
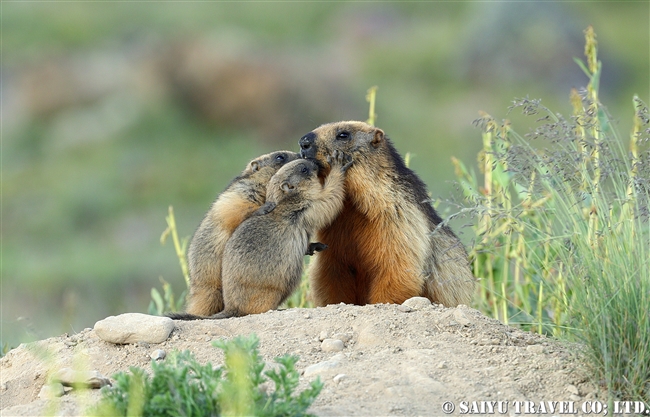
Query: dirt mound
[[395, 360]]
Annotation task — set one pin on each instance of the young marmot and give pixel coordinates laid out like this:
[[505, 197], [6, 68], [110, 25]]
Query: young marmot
[[263, 259], [385, 246], [242, 197]]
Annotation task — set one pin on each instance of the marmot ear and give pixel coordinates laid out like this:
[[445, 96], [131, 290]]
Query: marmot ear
[[286, 187], [378, 138], [255, 166]]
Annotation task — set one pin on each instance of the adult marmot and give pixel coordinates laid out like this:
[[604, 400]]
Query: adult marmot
[[263, 259], [242, 197], [385, 246]]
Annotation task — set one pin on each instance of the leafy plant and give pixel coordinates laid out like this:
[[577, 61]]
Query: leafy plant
[[179, 245], [181, 386], [167, 302], [160, 304], [563, 232]]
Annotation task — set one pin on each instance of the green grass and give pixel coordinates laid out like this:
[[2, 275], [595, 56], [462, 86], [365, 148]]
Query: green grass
[[563, 233], [179, 385]]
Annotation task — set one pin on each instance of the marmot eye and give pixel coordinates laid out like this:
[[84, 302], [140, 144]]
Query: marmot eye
[[304, 170], [343, 135], [280, 158]]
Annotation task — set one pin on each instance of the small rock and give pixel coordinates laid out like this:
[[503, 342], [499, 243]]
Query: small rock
[[535, 348], [443, 365], [332, 345], [53, 390], [404, 309], [87, 379], [321, 367], [461, 318], [417, 303], [307, 316], [323, 335], [318, 368], [3, 387], [343, 337], [340, 377], [572, 389], [574, 397], [134, 327], [158, 355]]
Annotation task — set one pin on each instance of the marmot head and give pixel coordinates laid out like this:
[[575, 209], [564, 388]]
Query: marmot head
[[291, 179], [271, 162], [353, 138]]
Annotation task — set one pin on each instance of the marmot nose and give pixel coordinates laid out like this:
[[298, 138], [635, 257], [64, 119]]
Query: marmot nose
[[307, 141]]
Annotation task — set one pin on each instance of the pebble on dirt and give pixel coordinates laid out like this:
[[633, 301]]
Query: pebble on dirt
[[320, 367], [417, 303], [133, 328], [158, 355], [332, 345]]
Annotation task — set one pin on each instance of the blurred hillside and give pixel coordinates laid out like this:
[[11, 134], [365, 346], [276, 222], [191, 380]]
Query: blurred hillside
[[111, 112]]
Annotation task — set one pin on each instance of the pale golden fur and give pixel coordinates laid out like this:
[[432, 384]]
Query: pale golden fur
[[243, 196], [263, 259]]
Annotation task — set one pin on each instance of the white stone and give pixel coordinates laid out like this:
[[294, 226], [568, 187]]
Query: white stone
[[417, 303], [404, 309], [133, 328], [332, 345], [461, 318], [320, 367], [158, 355], [537, 349], [343, 337], [340, 377]]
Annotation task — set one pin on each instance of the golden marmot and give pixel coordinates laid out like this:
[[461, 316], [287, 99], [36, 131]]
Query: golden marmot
[[385, 246], [242, 197], [263, 259]]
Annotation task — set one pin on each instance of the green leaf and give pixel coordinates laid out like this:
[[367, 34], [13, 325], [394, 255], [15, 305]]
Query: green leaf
[[155, 296], [582, 66]]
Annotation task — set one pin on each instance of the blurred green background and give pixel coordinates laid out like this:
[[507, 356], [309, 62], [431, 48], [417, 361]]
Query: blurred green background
[[111, 112]]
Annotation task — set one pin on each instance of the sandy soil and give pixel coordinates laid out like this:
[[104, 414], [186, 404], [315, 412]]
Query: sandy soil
[[396, 360]]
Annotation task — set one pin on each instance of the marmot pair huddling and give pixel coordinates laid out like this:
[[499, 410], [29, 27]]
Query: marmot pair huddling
[[384, 238]]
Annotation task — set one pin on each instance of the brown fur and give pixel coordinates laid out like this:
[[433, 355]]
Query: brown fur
[[385, 246], [263, 260], [245, 194]]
